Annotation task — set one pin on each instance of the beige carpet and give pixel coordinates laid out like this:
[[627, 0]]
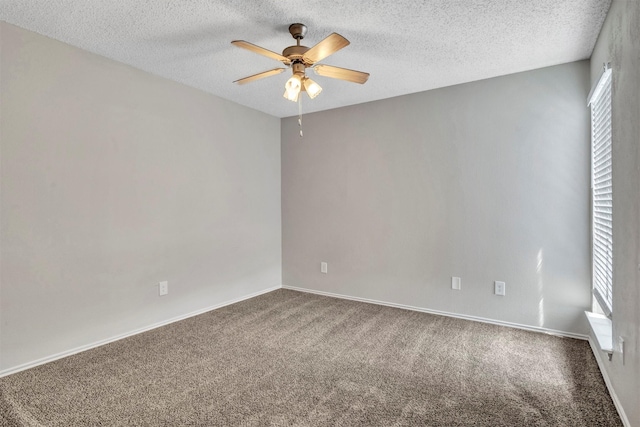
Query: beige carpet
[[288, 358]]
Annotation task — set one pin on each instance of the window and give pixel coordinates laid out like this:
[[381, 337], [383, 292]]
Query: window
[[601, 196]]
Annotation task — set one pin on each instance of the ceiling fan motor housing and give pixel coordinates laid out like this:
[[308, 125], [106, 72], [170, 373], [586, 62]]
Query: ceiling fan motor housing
[[295, 52]]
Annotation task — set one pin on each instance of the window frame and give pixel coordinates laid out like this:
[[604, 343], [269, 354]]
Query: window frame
[[602, 191]]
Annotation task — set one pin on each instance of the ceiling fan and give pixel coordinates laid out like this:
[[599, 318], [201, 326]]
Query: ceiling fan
[[299, 58]]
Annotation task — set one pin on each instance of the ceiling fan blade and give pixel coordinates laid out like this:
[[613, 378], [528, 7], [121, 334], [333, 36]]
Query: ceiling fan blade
[[330, 45], [341, 73], [260, 76], [261, 51]]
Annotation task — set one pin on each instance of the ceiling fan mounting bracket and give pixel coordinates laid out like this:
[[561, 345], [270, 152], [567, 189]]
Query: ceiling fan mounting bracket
[[298, 31]]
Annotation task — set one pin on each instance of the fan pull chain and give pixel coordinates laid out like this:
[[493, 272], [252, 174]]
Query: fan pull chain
[[300, 114]]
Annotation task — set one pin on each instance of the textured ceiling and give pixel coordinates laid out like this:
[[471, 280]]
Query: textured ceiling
[[407, 45]]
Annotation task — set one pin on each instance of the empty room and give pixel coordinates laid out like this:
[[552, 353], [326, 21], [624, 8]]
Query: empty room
[[288, 213]]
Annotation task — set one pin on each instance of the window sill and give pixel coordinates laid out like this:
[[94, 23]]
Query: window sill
[[603, 331]]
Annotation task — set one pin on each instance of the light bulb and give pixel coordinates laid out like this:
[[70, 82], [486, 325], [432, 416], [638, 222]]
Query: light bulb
[[292, 88], [291, 95], [312, 88], [293, 83]]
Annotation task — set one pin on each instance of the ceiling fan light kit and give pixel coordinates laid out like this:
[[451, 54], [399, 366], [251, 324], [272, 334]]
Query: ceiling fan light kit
[[292, 88], [298, 58], [312, 88]]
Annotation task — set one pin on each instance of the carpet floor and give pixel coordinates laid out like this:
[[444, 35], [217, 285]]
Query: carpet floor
[[288, 358]]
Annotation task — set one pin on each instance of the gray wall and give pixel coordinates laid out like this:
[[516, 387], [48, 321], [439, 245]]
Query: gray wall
[[619, 43], [113, 179], [486, 181]]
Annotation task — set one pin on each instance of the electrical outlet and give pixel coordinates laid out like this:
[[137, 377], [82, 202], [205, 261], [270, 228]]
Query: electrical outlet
[[163, 288], [499, 288], [323, 267], [456, 283]]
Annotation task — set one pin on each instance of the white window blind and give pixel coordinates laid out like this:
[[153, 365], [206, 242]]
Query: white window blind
[[601, 183]]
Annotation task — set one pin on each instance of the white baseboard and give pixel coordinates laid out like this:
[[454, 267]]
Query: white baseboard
[[445, 313], [95, 344], [616, 401]]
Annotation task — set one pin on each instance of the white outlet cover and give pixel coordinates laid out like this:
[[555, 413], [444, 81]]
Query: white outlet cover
[[500, 288], [456, 283], [323, 267], [163, 288]]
